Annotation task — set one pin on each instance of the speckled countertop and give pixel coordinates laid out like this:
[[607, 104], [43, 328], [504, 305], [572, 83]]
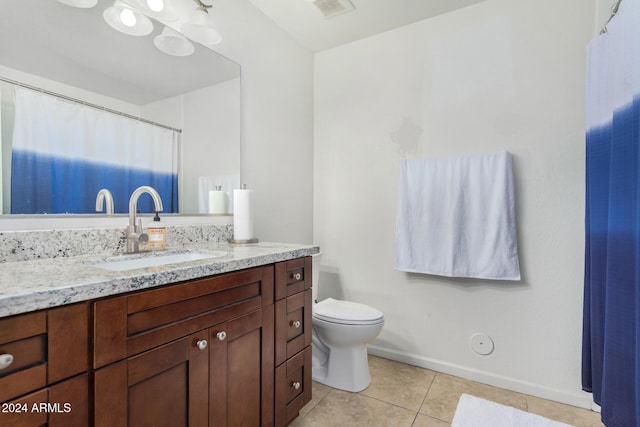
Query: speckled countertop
[[36, 284]]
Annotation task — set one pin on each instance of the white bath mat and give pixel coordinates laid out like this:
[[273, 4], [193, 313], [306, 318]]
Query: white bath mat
[[475, 412]]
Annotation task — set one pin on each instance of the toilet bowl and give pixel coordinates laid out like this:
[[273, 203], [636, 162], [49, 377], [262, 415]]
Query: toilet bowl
[[341, 331]]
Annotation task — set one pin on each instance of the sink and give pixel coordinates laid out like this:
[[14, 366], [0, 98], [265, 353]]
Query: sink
[[151, 259]]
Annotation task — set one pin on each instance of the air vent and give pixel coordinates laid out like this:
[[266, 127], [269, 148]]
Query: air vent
[[331, 8]]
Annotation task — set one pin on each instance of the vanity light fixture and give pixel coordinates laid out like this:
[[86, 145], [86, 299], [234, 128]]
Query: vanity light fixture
[[156, 5], [173, 43], [127, 20], [157, 9], [200, 26], [84, 4]]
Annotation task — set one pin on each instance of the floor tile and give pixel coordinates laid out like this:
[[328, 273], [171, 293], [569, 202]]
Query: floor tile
[[578, 417], [397, 383], [442, 398], [319, 392], [341, 408], [424, 421], [407, 396]]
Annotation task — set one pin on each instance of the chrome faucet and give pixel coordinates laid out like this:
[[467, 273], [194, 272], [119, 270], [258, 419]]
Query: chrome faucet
[[104, 197], [135, 233]]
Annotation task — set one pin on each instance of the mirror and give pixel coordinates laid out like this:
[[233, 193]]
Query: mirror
[[72, 52]]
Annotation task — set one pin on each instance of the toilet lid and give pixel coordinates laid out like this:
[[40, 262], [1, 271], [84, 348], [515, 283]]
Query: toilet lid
[[338, 311]]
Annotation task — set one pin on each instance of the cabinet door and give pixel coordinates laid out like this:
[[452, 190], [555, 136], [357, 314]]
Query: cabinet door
[[242, 376], [165, 386]]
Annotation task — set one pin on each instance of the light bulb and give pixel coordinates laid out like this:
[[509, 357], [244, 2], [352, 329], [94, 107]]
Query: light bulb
[[127, 17], [156, 5]]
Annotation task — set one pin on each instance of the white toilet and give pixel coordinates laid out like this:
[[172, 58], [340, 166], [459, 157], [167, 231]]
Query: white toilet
[[341, 331]]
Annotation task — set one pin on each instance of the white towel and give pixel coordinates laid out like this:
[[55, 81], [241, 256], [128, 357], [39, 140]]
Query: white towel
[[476, 412], [456, 217], [208, 183]]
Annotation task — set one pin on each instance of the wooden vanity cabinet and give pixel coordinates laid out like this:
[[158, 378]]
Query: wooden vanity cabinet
[[47, 382], [227, 350], [198, 353], [293, 334]]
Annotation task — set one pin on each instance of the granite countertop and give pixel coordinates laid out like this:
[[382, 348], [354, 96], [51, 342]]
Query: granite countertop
[[33, 285]]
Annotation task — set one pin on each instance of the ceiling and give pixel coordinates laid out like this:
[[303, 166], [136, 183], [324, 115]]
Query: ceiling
[[101, 64], [304, 21], [41, 38]]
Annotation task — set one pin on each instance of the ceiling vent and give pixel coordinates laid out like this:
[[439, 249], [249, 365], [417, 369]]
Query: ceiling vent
[[331, 8]]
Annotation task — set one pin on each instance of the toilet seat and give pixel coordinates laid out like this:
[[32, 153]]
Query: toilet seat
[[346, 312]]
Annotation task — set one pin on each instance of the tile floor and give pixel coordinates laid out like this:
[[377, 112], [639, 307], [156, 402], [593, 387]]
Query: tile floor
[[407, 396]]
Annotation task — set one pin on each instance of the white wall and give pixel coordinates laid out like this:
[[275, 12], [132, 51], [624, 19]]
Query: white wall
[[500, 75], [277, 121]]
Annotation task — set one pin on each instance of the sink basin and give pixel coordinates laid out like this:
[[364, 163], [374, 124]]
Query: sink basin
[[151, 259]]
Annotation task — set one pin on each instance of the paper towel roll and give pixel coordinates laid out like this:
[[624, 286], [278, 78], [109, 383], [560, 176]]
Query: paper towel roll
[[218, 202], [242, 215]]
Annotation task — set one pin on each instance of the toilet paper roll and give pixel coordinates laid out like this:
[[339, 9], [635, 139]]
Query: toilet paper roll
[[242, 215], [218, 202]]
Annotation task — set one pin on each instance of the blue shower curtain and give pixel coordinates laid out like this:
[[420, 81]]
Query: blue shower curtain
[[63, 153], [611, 327]]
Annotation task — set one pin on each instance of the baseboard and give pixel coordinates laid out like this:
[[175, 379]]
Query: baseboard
[[580, 399]]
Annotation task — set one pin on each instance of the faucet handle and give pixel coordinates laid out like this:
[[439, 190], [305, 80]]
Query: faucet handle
[[142, 236]]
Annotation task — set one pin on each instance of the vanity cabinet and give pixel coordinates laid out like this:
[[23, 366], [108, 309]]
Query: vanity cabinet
[[232, 349], [198, 353], [293, 336], [47, 381]]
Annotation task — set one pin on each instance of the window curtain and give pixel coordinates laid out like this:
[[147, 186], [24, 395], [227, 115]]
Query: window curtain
[[65, 152], [611, 327]]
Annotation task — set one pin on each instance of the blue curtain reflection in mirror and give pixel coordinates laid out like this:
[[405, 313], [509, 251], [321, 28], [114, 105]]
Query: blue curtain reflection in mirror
[[64, 152]]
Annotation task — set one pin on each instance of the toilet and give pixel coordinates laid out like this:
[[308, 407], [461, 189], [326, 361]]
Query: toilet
[[341, 331]]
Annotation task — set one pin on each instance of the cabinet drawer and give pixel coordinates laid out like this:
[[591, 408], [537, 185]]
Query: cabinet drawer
[[292, 277], [293, 325], [62, 405], [293, 386], [24, 338], [46, 346], [20, 413], [130, 324], [27, 353]]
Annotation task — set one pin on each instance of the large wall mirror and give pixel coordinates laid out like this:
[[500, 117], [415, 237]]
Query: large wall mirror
[[71, 54]]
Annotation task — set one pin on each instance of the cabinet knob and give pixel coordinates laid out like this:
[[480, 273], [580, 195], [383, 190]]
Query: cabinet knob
[[296, 324], [201, 344], [222, 335], [5, 360], [296, 276], [296, 385]]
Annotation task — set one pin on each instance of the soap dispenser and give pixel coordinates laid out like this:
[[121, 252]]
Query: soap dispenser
[[157, 234]]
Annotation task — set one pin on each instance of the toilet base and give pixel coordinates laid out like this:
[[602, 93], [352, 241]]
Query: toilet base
[[346, 368]]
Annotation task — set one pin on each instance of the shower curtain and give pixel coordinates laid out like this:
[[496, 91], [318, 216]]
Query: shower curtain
[[64, 152], [611, 327]]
